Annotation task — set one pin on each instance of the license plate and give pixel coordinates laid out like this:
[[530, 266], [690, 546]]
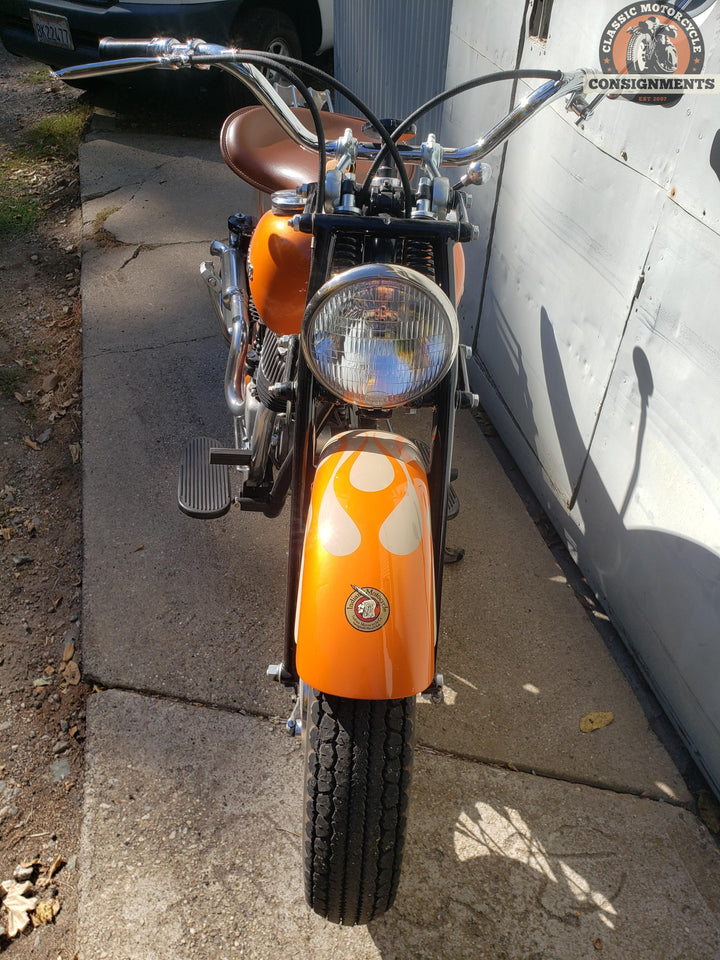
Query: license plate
[[52, 28]]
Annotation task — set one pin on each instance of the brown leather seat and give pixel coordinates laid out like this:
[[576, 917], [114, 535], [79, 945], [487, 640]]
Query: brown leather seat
[[256, 148]]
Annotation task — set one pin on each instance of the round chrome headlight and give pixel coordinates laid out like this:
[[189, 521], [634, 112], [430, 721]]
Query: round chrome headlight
[[380, 335]]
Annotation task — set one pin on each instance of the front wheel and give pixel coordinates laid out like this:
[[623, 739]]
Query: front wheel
[[358, 770]]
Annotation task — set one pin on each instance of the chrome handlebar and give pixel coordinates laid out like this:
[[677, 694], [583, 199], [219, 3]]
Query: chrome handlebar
[[169, 54]]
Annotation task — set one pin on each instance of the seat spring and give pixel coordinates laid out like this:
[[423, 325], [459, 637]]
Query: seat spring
[[418, 255], [348, 252]]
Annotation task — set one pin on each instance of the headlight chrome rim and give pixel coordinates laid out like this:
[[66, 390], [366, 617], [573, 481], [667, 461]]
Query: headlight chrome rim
[[441, 343]]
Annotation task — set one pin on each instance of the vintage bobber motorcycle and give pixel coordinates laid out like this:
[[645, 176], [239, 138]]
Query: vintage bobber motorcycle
[[339, 307]]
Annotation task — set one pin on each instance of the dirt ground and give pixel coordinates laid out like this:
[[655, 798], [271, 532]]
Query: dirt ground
[[42, 696], [42, 699]]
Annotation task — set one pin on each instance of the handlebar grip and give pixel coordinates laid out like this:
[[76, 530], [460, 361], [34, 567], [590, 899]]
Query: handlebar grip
[[112, 49]]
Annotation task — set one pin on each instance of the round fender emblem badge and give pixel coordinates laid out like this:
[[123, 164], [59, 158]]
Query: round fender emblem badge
[[367, 609]]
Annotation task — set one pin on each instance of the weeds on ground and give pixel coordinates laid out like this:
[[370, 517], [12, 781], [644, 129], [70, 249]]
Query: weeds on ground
[[10, 380], [47, 145], [57, 136], [19, 213], [37, 74]]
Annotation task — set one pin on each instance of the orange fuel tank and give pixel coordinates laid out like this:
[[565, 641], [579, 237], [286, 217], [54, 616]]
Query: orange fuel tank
[[279, 265]]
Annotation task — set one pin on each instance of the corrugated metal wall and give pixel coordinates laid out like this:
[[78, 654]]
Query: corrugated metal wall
[[591, 302], [393, 55]]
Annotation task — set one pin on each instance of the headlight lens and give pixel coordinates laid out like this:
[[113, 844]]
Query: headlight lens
[[380, 335]]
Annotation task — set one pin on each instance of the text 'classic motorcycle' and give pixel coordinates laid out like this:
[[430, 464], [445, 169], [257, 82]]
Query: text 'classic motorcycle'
[[339, 308]]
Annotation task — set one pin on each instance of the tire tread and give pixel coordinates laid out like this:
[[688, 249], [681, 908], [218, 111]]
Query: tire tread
[[357, 786]]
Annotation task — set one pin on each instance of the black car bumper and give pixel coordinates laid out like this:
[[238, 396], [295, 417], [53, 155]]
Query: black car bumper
[[89, 22]]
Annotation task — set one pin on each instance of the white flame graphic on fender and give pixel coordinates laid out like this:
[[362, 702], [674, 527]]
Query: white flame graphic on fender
[[371, 472]]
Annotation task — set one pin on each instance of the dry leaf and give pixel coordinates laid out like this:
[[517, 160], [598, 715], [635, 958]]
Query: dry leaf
[[75, 452], [55, 866], [50, 382], [45, 911], [31, 443], [20, 398], [17, 905], [71, 673], [68, 652], [595, 721], [6, 532]]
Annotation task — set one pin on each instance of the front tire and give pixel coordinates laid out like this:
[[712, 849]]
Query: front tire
[[358, 770]]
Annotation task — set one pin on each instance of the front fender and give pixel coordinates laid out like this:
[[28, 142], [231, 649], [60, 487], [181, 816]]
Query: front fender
[[365, 624]]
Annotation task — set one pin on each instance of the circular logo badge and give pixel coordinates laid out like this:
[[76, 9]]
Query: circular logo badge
[[656, 39], [367, 609]]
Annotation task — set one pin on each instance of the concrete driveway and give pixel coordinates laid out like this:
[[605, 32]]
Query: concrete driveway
[[528, 838]]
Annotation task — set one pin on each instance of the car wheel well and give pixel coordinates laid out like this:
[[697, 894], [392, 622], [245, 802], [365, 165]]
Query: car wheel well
[[305, 18]]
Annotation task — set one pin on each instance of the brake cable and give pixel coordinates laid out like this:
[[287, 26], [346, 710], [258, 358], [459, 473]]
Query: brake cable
[[257, 57], [390, 145], [453, 92]]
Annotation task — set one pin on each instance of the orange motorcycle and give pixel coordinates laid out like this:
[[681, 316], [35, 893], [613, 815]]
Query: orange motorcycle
[[339, 308]]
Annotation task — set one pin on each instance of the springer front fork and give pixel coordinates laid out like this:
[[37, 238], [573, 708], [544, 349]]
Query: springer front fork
[[254, 423]]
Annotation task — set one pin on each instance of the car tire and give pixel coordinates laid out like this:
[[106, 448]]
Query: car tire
[[268, 30]]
